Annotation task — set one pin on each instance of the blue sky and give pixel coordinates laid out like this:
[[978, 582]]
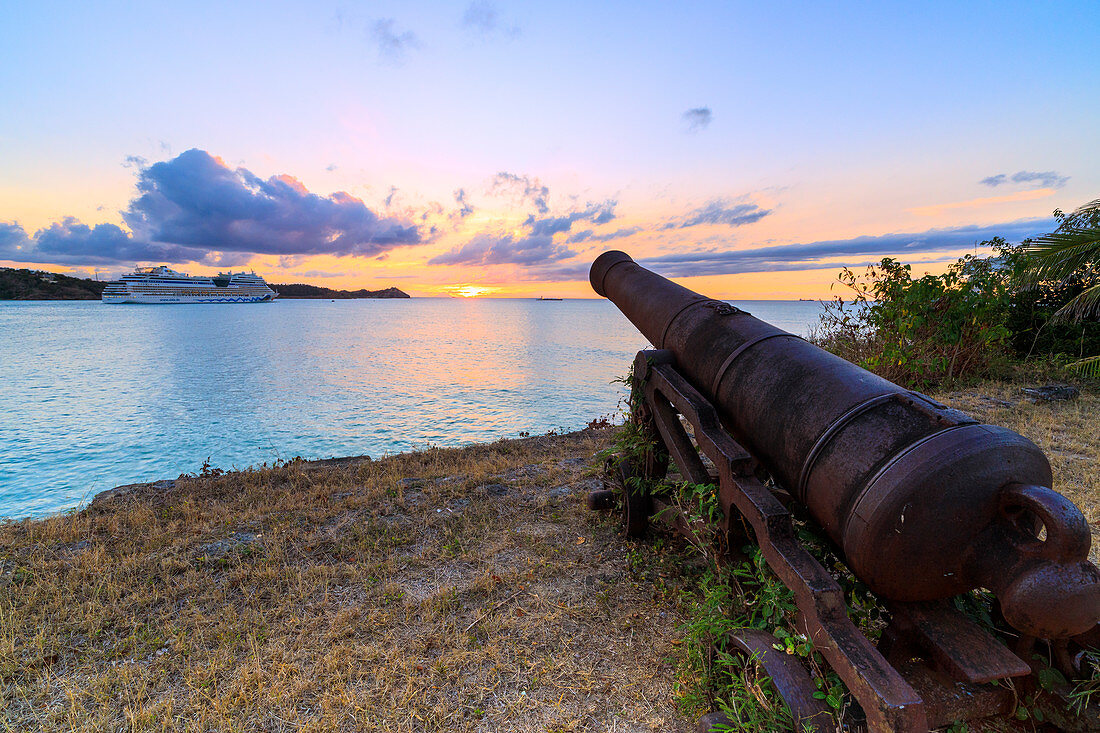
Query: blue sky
[[841, 121]]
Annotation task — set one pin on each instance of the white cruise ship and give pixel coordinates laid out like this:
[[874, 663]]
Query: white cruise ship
[[162, 285]]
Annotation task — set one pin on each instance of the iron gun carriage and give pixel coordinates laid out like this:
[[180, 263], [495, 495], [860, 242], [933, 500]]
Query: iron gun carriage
[[922, 501]]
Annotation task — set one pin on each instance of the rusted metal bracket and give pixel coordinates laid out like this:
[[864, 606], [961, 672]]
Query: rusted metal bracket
[[787, 675], [959, 648]]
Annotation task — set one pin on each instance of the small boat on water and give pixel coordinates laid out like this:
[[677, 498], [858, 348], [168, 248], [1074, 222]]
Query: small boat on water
[[541, 298], [163, 285]]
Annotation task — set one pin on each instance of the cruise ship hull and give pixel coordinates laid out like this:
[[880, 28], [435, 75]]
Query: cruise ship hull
[[167, 299]]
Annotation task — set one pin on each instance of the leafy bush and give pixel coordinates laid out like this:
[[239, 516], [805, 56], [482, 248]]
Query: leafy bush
[[1036, 299], [925, 331]]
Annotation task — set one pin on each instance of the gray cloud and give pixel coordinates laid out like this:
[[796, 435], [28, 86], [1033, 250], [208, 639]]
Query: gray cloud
[[527, 189], [588, 236], [71, 242], [487, 249], [465, 208], [698, 118], [196, 200], [484, 19], [719, 211], [317, 273], [1032, 179], [597, 213], [12, 237], [808, 256], [579, 271], [393, 46], [193, 208], [289, 262], [536, 248]]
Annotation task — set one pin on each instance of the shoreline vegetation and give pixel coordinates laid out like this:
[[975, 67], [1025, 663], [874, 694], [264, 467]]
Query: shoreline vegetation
[[23, 284], [440, 590]]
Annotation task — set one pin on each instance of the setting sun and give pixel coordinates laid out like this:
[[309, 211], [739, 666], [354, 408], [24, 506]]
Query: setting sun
[[469, 291]]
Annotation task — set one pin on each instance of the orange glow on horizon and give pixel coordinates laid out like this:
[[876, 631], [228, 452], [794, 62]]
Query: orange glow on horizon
[[469, 291], [417, 272], [815, 284], [938, 209]]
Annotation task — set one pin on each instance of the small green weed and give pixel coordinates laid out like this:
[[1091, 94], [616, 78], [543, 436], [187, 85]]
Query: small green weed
[[714, 675], [1087, 692]]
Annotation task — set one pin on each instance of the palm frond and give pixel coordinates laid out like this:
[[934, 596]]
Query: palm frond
[[1085, 305], [1059, 254], [1074, 245], [1085, 209], [1064, 242], [1089, 367]]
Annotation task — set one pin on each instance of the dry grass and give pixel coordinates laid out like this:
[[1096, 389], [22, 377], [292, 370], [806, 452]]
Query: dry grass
[[443, 590], [457, 590], [1068, 432]]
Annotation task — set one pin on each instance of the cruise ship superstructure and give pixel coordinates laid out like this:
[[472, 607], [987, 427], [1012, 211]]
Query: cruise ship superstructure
[[163, 285]]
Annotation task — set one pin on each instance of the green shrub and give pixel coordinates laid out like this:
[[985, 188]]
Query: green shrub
[[1036, 302], [926, 331]]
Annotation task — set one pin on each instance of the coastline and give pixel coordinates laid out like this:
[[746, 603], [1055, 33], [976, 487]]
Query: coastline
[[246, 385]]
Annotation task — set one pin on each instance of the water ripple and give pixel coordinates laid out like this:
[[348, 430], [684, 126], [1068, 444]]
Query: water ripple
[[93, 396]]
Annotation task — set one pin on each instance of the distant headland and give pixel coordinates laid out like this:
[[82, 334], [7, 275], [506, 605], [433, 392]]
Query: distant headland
[[300, 290], [38, 285]]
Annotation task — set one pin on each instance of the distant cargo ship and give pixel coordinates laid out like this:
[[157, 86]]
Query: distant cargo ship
[[162, 285]]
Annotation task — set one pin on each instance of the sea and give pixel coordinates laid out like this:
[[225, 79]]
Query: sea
[[93, 396]]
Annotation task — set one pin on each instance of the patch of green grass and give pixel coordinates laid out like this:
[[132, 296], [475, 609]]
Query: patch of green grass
[[714, 675]]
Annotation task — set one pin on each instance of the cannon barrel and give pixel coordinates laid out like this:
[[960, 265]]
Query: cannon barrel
[[924, 501]]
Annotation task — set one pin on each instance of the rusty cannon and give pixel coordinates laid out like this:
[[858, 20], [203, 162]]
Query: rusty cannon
[[922, 502]]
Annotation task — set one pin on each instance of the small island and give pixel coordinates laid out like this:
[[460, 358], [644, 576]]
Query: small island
[[301, 290], [22, 284]]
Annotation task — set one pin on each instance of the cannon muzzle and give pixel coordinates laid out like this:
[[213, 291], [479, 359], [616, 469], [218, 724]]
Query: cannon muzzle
[[924, 501]]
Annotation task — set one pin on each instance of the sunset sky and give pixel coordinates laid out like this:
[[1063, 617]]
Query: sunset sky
[[747, 149]]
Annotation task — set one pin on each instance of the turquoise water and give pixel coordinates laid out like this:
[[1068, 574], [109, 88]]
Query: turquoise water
[[93, 396]]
